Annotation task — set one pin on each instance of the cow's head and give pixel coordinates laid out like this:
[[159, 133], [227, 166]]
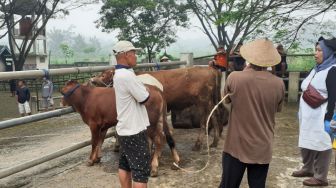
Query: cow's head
[[105, 79], [69, 88]]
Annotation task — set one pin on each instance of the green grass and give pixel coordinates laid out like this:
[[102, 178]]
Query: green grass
[[300, 63], [295, 63]]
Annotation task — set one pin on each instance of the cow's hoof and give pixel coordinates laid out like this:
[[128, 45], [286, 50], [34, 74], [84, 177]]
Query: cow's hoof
[[97, 160], [196, 148], [89, 163], [213, 145], [154, 173]]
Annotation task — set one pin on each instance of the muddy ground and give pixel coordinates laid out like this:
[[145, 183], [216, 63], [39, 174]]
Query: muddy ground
[[24, 143]]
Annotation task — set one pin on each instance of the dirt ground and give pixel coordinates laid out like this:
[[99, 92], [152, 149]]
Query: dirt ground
[[27, 142]]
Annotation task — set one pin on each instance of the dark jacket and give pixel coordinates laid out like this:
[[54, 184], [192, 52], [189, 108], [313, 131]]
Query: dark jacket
[[23, 94]]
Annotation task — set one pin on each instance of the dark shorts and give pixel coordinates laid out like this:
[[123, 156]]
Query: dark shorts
[[135, 156]]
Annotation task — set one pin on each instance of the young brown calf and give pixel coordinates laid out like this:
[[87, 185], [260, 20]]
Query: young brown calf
[[97, 107]]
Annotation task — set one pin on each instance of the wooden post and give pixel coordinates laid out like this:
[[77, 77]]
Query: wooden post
[[293, 86], [33, 104], [189, 58], [223, 80], [37, 98]]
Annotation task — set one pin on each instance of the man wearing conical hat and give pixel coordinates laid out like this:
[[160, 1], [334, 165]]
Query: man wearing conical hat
[[255, 95], [164, 59]]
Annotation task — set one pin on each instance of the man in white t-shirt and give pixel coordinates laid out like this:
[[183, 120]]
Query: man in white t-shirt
[[131, 94]]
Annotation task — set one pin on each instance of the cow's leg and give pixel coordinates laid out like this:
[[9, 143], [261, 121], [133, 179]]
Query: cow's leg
[[168, 131], [198, 144], [94, 143], [150, 145], [158, 139], [100, 144], [215, 125], [157, 153]]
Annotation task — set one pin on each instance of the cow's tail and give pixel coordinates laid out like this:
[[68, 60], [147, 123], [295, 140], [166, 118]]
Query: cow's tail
[[166, 130]]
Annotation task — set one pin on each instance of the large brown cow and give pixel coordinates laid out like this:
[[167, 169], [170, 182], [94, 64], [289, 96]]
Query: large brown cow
[[199, 86], [97, 107]]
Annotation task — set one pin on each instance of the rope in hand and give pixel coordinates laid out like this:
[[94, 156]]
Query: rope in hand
[[207, 138]]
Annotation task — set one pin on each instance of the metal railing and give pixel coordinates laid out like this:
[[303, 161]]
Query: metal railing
[[74, 70]]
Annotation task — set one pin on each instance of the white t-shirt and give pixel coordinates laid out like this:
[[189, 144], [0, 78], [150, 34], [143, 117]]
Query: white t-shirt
[[132, 116]]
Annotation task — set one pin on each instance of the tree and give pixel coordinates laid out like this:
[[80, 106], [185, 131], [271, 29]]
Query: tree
[[56, 37], [39, 11], [231, 21], [149, 24], [79, 43], [67, 52]]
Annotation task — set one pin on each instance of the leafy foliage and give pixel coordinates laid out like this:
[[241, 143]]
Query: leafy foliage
[[149, 24], [228, 22], [67, 51], [84, 48]]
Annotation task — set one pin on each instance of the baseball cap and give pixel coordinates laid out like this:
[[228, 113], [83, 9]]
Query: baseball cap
[[123, 46]]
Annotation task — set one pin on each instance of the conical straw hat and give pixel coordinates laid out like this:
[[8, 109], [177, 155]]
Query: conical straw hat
[[260, 52]]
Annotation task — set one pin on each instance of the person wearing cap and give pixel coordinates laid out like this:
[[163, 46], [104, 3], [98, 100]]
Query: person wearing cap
[[314, 133], [220, 60], [164, 59], [251, 126], [46, 93], [131, 95]]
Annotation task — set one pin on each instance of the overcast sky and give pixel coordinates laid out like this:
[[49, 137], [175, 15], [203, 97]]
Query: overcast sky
[[191, 39], [83, 19]]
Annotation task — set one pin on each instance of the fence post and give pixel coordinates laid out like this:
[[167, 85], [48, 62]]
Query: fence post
[[223, 80], [189, 58], [34, 109], [293, 86]]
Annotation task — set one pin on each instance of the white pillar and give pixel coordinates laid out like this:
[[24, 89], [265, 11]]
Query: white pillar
[[223, 80], [189, 58], [293, 86]]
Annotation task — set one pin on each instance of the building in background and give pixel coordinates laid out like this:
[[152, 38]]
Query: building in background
[[25, 12], [6, 61]]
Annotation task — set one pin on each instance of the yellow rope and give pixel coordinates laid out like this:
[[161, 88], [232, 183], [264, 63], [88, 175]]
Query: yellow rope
[[207, 137]]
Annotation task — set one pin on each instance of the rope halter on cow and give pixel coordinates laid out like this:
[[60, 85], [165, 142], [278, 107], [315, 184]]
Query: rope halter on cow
[[110, 84], [71, 91], [207, 138]]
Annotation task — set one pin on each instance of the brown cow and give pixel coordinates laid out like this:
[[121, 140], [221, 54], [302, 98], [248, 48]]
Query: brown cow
[[97, 107], [185, 87]]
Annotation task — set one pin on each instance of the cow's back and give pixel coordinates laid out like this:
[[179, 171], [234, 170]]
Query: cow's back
[[185, 86]]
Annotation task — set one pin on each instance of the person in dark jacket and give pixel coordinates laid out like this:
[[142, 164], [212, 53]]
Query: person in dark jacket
[[237, 62], [22, 98], [281, 68], [12, 86]]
